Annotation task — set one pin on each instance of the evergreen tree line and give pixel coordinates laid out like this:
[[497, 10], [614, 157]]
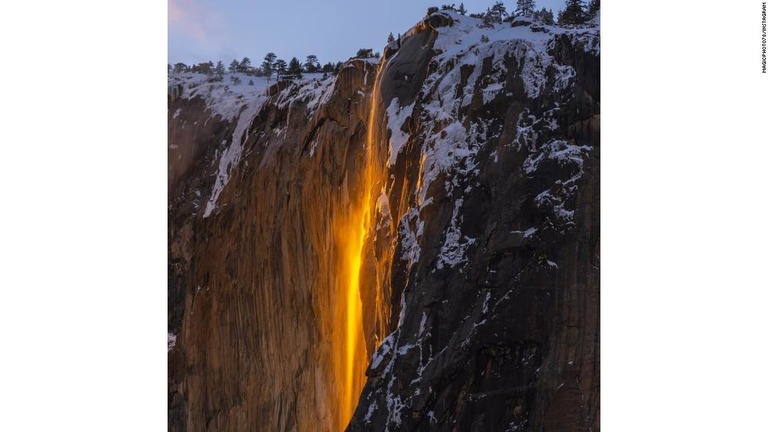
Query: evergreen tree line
[[270, 66], [273, 65], [575, 12]]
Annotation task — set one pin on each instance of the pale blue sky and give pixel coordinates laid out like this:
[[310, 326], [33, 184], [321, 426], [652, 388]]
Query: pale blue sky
[[202, 30]]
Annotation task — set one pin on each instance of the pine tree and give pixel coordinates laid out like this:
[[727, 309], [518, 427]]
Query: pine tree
[[267, 66], [487, 21], [573, 13], [364, 53], [245, 64], [390, 38], [203, 68], [462, 9], [180, 68], [593, 9], [547, 17], [280, 67], [311, 64], [219, 70], [497, 13], [234, 65], [525, 8], [294, 67]]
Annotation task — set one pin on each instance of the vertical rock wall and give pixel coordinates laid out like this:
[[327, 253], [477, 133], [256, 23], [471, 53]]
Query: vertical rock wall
[[258, 347], [493, 190]]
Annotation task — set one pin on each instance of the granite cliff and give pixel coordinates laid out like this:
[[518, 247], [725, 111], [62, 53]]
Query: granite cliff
[[412, 244]]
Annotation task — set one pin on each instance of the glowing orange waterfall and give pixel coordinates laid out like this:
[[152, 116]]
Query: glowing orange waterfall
[[355, 357]]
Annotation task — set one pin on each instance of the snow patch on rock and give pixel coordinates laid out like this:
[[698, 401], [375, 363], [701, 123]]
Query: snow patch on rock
[[231, 156], [397, 116], [171, 341], [453, 251]]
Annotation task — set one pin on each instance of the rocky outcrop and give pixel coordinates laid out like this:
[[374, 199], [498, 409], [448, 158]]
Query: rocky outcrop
[[472, 169]]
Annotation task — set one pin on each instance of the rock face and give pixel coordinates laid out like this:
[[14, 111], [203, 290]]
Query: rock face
[[469, 171], [259, 261]]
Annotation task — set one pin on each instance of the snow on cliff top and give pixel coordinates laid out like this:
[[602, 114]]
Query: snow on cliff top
[[225, 97], [466, 33], [235, 101], [464, 42]]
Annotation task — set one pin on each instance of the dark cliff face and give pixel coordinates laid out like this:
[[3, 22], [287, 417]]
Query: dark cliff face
[[480, 266], [497, 256]]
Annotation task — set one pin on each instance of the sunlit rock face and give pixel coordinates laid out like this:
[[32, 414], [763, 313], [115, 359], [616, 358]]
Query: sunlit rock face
[[262, 264], [412, 244]]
